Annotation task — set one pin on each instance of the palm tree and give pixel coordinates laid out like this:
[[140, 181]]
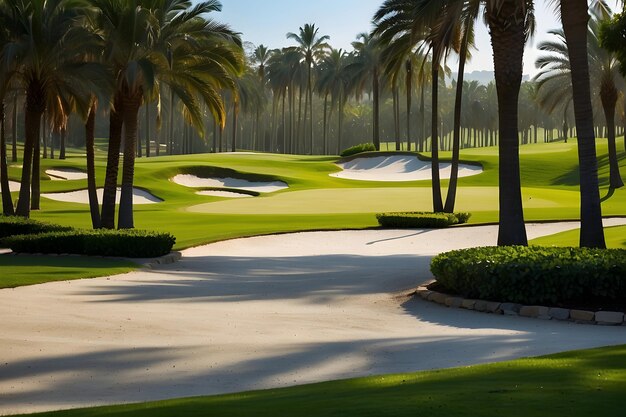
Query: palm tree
[[575, 17], [260, 58], [160, 42], [510, 23], [46, 51], [312, 47], [7, 200], [555, 73], [332, 81], [365, 66]]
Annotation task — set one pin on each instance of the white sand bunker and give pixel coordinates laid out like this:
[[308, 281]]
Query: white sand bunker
[[194, 181], [82, 196], [66, 174], [226, 194], [397, 168], [14, 186]]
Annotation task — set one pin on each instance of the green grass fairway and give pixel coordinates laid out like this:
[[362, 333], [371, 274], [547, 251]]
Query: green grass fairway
[[615, 238], [316, 201], [573, 384], [28, 270]]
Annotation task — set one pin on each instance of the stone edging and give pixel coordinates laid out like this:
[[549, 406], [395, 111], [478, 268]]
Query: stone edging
[[607, 318], [170, 258]]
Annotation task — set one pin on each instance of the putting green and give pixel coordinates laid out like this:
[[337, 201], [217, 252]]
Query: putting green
[[375, 200]]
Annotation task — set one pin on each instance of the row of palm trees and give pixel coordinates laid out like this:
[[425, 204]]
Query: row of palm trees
[[73, 56], [166, 52]]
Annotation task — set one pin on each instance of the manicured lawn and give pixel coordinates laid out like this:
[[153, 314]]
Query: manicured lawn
[[615, 238], [316, 201], [582, 383], [28, 270]]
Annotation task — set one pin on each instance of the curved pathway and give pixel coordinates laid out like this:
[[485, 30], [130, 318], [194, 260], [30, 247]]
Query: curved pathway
[[258, 313]]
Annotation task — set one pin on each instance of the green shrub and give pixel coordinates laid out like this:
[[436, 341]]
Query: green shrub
[[421, 219], [363, 147], [533, 275], [16, 225], [122, 243]]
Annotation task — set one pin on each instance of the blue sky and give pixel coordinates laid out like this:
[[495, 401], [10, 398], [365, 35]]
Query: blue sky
[[267, 22]]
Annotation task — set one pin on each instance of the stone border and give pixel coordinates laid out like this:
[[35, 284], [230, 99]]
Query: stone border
[[170, 258], [606, 318]]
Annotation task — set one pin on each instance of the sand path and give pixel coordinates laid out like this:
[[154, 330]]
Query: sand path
[[258, 313]]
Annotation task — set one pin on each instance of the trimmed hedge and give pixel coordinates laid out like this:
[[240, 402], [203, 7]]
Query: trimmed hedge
[[122, 243], [421, 220], [16, 225], [533, 275], [363, 147]]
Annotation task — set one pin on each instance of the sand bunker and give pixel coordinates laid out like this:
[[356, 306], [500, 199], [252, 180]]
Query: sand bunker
[[14, 186], [226, 194], [82, 197], [66, 174], [397, 168], [194, 181]]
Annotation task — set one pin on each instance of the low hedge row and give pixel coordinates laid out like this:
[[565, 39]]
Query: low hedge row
[[533, 275], [122, 243], [16, 225], [363, 147], [421, 220]]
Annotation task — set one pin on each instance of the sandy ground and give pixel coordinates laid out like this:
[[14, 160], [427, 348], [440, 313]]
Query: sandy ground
[[397, 168], [66, 174], [259, 313], [14, 186], [82, 196], [194, 181], [227, 194]]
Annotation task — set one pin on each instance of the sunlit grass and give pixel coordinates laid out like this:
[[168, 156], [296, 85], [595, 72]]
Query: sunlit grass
[[582, 383], [28, 270]]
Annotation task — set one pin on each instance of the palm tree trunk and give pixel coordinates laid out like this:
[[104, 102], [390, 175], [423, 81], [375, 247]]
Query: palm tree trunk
[[147, 130], [35, 198], [396, 116], [235, 121], [14, 131], [113, 160], [508, 38], [284, 122], [456, 141], [575, 18], [35, 107], [44, 137], [376, 113], [170, 126], [434, 142], [325, 152], [7, 200], [310, 92], [609, 94], [131, 112], [340, 122], [422, 138], [62, 146], [94, 207], [409, 92]]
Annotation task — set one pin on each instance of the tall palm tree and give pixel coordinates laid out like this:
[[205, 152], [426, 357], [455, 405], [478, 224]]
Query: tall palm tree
[[46, 51], [510, 23], [154, 43], [365, 67], [312, 46], [575, 17], [7, 199], [332, 81], [260, 58], [555, 73]]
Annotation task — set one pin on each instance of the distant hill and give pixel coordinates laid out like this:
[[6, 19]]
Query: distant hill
[[483, 77]]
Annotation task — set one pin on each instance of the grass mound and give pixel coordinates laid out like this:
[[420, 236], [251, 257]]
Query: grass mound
[[534, 275], [418, 219]]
